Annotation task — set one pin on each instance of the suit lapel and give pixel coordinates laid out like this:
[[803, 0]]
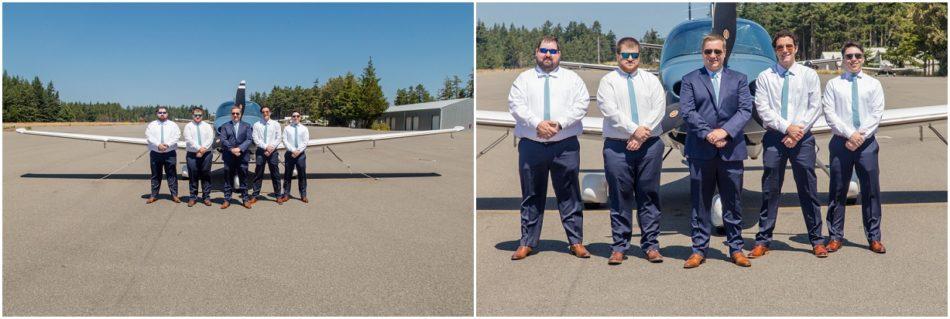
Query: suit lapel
[[708, 83]]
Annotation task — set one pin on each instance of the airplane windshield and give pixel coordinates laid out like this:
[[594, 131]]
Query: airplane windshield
[[751, 40]]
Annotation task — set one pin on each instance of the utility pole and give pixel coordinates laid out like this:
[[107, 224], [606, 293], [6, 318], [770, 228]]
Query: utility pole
[[598, 49], [690, 10]]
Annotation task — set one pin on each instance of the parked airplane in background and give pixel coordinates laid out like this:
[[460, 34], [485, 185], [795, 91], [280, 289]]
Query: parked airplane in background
[[749, 50], [251, 114]]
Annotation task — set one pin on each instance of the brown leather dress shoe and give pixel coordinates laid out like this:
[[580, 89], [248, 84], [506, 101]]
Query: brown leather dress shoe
[[758, 251], [833, 245], [282, 199], [579, 251], [654, 256], [878, 247], [252, 201], [226, 204], [694, 261], [304, 199], [207, 202], [191, 202], [616, 258], [176, 199], [246, 205], [521, 253], [739, 259], [820, 251], [150, 200]]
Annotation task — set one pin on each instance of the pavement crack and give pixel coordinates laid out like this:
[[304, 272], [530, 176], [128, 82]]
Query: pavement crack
[[140, 263]]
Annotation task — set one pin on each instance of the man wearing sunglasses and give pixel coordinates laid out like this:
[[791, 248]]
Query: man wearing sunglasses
[[236, 137], [788, 100], [198, 139], [267, 138], [853, 104], [633, 104], [296, 137], [716, 104], [548, 104], [162, 136]]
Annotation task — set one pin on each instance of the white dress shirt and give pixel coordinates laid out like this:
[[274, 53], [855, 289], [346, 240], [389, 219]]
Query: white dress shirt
[[804, 97], [300, 132], [162, 132], [613, 99], [568, 103], [273, 134], [191, 136], [836, 103]]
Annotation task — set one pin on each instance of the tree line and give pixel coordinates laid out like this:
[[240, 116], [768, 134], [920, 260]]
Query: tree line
[[346, 100], [907, 30]]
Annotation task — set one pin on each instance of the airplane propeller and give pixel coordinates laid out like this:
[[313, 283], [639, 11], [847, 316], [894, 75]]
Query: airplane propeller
[[724, 23]]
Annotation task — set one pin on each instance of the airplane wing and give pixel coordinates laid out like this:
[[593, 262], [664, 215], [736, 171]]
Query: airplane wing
[[376, 137], [91, 137], [181, 144], [594, 66], [891, 117]]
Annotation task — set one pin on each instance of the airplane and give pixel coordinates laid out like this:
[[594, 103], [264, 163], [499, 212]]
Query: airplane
[[749, 51], [251, 115]]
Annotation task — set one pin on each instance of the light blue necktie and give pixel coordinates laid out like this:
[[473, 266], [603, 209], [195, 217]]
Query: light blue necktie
[[715, 83], [161, 128], [265, 133], [855, 117], [785, 95], [295, 135], [634, 116], [547, 97], [198, 128]]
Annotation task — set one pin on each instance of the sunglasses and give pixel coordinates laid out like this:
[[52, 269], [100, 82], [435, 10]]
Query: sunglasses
[[546, 50], [235, 113], [711, 51], [787, 47], [196, 115], [295, 116], [265, 111], [161, 112], [854, 56], [630, 55]]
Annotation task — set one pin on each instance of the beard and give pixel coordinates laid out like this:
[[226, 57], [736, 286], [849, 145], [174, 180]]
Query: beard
[[547, 64]]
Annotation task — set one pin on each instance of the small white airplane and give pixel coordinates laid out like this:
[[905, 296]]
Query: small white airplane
[[252, 114], [680, 55]]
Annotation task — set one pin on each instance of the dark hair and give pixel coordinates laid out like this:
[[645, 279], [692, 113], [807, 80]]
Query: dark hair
[[161, 108], [237, 107], [264, 107], [849, 44], [712, 37], [298, 112], [548, 38], [197, 108], [627, 41], [785, 33]]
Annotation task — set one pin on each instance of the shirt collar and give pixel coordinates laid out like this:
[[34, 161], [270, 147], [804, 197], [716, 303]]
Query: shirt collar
[[625, 74], [711, 73], [848, 75], [554, 73], [778, 68]]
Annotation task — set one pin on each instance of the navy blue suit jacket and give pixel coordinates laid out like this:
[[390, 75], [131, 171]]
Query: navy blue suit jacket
[[702, 114], [242, 139]]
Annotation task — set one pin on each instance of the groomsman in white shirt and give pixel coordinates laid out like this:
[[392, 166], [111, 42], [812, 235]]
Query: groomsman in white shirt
[[267, 138], [295, 140], [853, 104], [548, 104], [633, 103], [788, 100], [162, 136], [198, 139]]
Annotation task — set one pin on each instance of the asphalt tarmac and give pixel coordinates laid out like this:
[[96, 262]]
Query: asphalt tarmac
[[909, 280], [77, 242]]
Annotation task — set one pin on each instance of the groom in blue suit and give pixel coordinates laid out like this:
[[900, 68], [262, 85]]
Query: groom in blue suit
[[716, 104], [236, 137]]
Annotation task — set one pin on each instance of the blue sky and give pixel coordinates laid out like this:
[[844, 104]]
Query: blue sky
[[625, 19], [173, 54]]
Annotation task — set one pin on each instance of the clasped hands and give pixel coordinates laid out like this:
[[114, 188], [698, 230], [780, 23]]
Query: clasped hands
[[793, 134], [717, 137], [637, 138], [547, 129], [854, 142]]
